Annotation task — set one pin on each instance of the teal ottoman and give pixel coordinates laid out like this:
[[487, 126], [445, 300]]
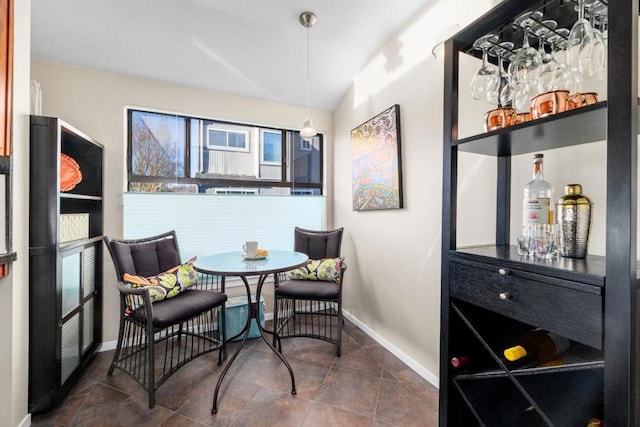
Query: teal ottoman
[[236, 317]]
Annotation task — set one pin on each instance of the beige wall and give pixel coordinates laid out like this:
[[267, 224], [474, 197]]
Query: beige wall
[[95, 102], [393, 285], [394, 256], [14, 289]]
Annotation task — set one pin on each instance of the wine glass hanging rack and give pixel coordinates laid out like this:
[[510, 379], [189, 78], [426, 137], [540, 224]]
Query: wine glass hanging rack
[[563, 12]]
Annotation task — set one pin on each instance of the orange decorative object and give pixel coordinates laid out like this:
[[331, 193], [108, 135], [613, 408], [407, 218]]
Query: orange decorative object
[[578, 99], [70, 174], [499, 118], [549, 103]]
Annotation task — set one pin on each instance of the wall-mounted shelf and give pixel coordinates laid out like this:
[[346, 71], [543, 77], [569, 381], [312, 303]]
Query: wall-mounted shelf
[[579, 126]]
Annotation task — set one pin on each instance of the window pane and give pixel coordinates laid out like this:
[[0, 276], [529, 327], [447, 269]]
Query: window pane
[[305, 159], [217, 138], [158, 144], [237, 140], [271, 147], [305, 192], [195, 152]]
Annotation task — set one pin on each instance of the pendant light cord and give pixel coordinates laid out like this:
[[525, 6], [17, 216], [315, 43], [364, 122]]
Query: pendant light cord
[[308, 65]]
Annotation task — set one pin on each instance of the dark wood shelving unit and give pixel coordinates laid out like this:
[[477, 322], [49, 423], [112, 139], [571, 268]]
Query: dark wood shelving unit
[[65, 276], [490, 295]]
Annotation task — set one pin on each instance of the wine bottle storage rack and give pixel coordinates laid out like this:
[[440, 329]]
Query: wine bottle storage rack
[[523, 391]]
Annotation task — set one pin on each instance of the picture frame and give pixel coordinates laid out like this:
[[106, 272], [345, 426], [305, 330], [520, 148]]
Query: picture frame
[[377, 162]]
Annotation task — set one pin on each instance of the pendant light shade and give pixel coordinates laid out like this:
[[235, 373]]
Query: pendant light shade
[[308, 131], [308, 20]]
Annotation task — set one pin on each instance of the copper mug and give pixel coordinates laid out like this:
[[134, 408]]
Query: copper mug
[[549, 103], [523, 118], [578, 99], [499, 118]]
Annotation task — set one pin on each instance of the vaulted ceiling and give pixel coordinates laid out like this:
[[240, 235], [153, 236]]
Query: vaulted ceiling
[[254, 48]]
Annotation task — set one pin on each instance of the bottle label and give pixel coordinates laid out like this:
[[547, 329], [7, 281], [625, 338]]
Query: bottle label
[[536, 211]]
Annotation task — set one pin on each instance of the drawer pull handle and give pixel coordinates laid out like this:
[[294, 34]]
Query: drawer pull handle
[[503, 271], [504, 296]]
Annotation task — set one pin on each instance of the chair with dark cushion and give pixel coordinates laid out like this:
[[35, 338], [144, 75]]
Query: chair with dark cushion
[[180, 328], [308, 303]]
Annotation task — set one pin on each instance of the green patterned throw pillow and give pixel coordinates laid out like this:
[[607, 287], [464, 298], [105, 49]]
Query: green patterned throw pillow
[[324, 270], [164, 285]]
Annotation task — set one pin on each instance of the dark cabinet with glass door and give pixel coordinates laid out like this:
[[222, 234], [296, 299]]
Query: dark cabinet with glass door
[[65, 258], [491, 295]]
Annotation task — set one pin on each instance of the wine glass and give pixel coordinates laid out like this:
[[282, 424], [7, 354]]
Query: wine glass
[[567, 77], [500, 51], [506, 92], [598, 65], [549, 64], [486, 78], [525, 65], [580, 42]]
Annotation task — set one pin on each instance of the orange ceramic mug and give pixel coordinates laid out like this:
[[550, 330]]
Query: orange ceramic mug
[[578, 99], [499, 118], [549, 103]]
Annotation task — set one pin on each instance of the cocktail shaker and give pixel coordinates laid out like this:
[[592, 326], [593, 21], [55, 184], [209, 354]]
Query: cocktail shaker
[[573, 214]]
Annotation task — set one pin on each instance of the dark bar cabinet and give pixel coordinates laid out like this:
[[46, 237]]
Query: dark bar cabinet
[[491, 295]]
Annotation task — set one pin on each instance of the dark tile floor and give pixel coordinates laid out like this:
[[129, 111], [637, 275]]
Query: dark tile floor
[[367, 386]]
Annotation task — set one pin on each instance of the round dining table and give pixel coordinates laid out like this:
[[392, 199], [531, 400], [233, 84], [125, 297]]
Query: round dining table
[[229, 264]]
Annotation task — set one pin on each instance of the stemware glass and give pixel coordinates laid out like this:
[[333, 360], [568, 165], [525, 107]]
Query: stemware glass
[[525, 65], [549, 65], [580, 42], [500, 51], [486, 78], [598, 65], [506, 91], [567, 77]]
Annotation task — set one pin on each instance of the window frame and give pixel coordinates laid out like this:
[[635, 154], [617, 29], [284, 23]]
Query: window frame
[[211, 182]]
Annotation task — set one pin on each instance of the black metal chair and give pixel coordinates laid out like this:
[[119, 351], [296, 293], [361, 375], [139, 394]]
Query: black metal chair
[[311, 308], [186, 325]]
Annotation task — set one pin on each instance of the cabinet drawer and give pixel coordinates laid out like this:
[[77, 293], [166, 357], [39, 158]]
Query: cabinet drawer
[[571, 309]]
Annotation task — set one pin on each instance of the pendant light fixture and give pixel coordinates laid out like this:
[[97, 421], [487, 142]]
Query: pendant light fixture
[[308, 20]]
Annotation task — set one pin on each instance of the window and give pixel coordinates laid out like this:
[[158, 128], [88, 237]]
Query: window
[[156, 148], [303, 192], [177, 153], [306, 145], [235, 191], [271, 147], [226, 139]]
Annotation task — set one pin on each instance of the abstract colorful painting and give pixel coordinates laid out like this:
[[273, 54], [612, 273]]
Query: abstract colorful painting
[[376, 181]]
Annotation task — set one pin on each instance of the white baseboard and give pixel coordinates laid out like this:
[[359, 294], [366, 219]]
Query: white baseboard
[[26, 421], [415, 366]]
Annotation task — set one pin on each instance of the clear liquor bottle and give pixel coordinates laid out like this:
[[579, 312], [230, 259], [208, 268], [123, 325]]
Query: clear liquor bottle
[[537, 207]]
